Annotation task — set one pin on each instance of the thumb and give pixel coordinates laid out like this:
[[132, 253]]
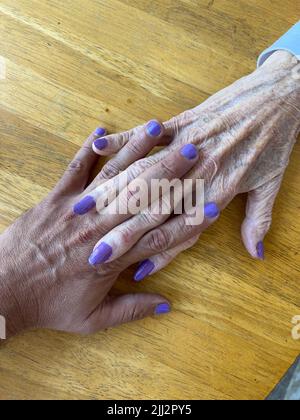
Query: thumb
[[259, 216], [132, 307]]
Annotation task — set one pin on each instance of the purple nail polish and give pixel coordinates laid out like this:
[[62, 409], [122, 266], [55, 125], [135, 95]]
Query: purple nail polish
[[85, 205], [189, 151], [163, 308], [101, 144], [260, 250], [101, 254], [145, 268], [100, 132], [153, 129], [211, 210]]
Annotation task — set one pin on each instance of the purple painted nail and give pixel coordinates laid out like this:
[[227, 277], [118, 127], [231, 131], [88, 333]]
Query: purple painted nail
[[145, 268], [85, 205], [260, 250], [211, 210], [101, 144], [163, 308], [189, 151], [153, 129], [101, 254], [100, 132]]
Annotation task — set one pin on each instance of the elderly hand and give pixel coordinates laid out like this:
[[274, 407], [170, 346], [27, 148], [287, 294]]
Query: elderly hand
[[45, 278], [244, 134]]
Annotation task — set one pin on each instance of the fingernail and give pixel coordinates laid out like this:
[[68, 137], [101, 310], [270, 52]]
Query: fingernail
[[260, 250], [163, 308], [85, 205], [211, 210], [189, 151], [100, 131], [153, 129], [101, 254], [101, 144], [145, 268]]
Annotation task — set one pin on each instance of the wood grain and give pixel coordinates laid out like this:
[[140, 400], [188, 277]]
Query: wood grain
[[75, 65]]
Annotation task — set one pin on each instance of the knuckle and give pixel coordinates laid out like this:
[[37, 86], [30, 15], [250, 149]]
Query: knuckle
[[126, 235], [76, 166], [135, 313], [264, 223], [114, 267], [168, 169], [110, 170], [150, 219], [129, 314], [158, 240], [187, 229], [133, 310], [135, 146], [134, 171], [84, 236], [123, 139], [130, 193], [118, 141], [137, 168], [89, 233], [149, 161]]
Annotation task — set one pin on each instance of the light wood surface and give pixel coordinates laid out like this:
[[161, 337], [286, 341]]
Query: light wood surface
[[73, 65]]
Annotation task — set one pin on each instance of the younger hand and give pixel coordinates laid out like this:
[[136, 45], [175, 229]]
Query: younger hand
[[45, 278]]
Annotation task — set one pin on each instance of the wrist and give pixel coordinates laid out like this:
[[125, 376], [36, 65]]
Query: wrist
[[290, 41], [283, 69]]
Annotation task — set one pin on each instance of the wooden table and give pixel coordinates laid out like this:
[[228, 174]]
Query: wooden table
[[73, 65]]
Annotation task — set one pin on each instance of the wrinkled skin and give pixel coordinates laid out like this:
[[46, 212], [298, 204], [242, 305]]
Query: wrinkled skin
[[244, 134], [45, 278]]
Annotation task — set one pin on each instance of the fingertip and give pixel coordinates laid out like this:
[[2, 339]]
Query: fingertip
[[253, 239], [84, 206], [101, 254], [211, 210], [163, 308], [189, 151], [106, 151], [144, 270], [260, 249], [100, 145], [100, 131], [154, 129]]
